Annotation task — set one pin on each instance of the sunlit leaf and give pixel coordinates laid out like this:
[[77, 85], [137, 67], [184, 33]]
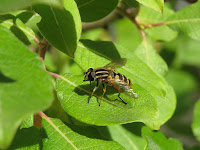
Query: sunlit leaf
[[166, 105], [126, 27], [187, 20], [12, 5], [148, 54], [24, 86], [147, 16], [154, 4], [74, 137]]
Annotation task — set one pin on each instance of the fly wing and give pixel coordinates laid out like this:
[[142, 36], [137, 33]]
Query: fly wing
[[126, 89], [117, 63]]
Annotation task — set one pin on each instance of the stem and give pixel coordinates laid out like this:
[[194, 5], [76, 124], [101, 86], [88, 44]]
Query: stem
[[43, 48], [37, 121]]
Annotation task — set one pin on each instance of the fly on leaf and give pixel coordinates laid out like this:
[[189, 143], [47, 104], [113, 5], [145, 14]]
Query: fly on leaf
[[107, 75]]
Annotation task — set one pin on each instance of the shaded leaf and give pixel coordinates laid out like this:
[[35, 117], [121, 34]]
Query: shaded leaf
[[154, 4], [92, 10], [186, 50], [176, 78], [156, 140], [74, 137], [21, 94], [60, 26], [28, 138], [126, 138], [187, 21], [132, 3], [196, 120]]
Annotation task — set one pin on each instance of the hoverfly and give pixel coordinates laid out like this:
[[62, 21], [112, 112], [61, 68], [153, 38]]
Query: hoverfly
[[107, 75]]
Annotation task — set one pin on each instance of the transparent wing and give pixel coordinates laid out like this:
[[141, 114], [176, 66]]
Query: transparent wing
[[126, 89], [117, 63]]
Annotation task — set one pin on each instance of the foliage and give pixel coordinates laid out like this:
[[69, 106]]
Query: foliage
[[45, 46]]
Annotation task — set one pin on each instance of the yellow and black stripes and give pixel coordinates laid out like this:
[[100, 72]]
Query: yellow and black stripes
[[101, 73]]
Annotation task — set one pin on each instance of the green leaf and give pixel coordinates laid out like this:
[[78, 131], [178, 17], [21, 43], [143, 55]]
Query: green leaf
[[126, 138], [187, 21], [156, 140], [92, 10], [187, 53], [147, 16], [145, 83], [17, 26], [126, 27], [25, 88], [60, 26], [74, 137], [74, 93], [176, 78], [98, 53], [167, 104], [28, 138], [28, 122], [154, 4], [12, 5], [132, 3], [148, 55], [196, 120]]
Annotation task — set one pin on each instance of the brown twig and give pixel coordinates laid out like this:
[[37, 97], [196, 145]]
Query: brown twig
[[37, 121], [43, 48]]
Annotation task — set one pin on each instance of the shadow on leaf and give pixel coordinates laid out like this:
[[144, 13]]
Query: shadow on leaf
[[102, 48], [3, 78], [110, 96]]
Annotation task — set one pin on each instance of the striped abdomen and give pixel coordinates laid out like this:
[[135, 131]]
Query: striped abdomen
[[121, 79]]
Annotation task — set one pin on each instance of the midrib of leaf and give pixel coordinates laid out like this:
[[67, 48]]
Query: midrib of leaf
[[182, 20], [126, 137], [11, 23], [60, 132], [147, 51], [59, 28], [86, 3], [75, 85]]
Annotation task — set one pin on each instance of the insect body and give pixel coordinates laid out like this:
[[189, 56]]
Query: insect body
[[107, 75]]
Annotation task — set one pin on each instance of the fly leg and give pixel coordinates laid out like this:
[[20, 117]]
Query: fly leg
[[96, 87], [121, 98], [104, 90]]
